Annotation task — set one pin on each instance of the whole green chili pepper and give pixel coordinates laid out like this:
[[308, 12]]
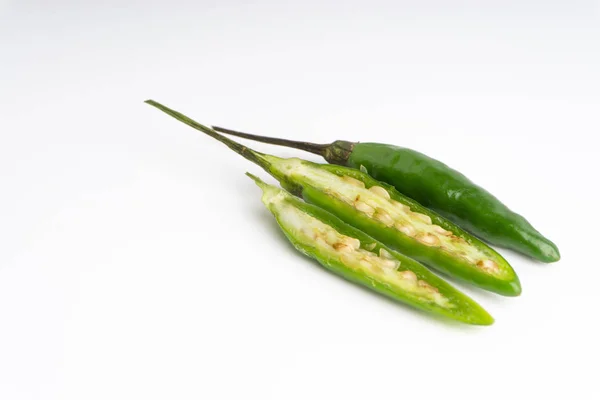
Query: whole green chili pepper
[[383, 213], [434, 185], [359, 258]]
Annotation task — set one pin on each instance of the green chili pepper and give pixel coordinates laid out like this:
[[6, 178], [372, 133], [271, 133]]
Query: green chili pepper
[[359, 258], [383, 213], [436, 186]]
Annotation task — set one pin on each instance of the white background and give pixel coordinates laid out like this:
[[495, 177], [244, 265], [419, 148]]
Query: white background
[[137, 261]]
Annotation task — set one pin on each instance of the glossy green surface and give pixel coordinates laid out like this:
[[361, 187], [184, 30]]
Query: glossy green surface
[[433, 184], [458, 307], [454, 196]]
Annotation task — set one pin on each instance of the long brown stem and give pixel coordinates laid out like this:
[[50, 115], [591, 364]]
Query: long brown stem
[[314, 148]]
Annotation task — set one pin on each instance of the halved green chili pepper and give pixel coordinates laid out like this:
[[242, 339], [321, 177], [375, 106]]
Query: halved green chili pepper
[[383, 213], [434, 185], [359, 258]]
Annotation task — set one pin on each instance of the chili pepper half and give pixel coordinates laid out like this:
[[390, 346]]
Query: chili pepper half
[[383, 213], [348, 252], [434, 185]]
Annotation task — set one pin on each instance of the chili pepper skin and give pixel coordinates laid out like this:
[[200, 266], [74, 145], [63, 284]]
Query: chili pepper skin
[[383, 213], [436, 186], [454, 196], [358, 258]]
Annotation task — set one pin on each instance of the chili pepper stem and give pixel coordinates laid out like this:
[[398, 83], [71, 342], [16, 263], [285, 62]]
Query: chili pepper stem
[[337, 152], [254, 156], [314, 148]]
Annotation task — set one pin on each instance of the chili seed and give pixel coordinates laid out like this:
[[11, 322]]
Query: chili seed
[[383, 253], [488, 265], [428, 239], [408, 230], [423, 217], [457, 239], [370, 246], [364, 207], [427, 286], [352, 181], [390, 263], [353, 243], [382, 216], [408, 275], [378, 190], [342, 247], [441, 231], [401, 206]]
